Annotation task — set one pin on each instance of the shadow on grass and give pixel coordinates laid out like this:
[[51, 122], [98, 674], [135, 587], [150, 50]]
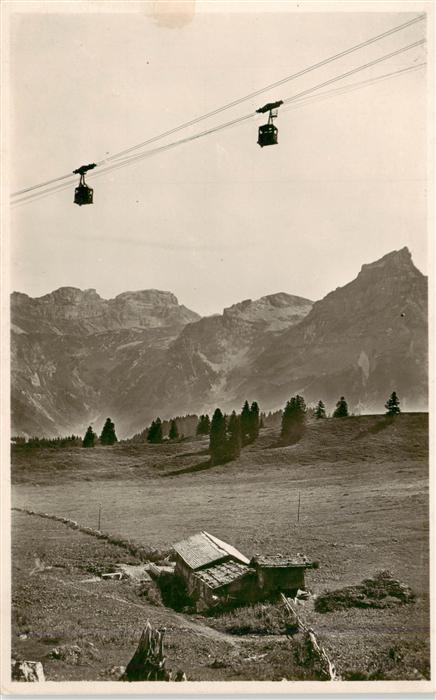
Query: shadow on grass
[[280, 443], [200, 467], [193, 454], [382, 424]]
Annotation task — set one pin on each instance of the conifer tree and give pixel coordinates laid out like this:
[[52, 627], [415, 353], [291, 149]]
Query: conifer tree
[[341, 410], [293, 420], [320, 410], [245, 423], [151, 430], [108, 436], [174, 431], [234, 440], [203, 425], [218, 438], [254, 421], [154, 434], [90, 438], [392, 405]]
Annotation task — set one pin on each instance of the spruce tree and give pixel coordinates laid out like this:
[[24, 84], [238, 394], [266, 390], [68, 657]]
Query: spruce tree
[[254, 421], [90, 438], [108, 436], [245, 423], [203, 425], [154, 434], [159, 434], [293, 420], [234, 440], [174, 431], [392, 405], [341, 410], [320, 410], [218, 438], [151, 430]]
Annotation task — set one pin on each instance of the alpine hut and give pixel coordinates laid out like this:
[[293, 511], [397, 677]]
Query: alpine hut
[[213, 570], [277, 573], [216, 572]]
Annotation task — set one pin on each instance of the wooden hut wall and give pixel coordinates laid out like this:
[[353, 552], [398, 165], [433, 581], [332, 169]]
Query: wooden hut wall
[[245, 588], [276, 578], [182, 567]]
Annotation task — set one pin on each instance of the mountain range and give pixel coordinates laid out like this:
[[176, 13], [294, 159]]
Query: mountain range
[[77, 358]]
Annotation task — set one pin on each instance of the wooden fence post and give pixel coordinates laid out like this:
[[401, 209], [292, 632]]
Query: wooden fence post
[[328, 666]]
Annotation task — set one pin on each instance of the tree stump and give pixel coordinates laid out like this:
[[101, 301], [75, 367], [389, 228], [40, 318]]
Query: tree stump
[[148, 661]]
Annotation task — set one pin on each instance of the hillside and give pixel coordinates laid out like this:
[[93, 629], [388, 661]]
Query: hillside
[[77, 358], [74, 354], [363, 486], [363, 340]]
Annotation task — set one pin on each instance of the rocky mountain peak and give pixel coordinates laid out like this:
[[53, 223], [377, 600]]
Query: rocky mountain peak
[[274, 310], [70, 295], [69, 310], [77, 357], [363, 340], [394, 263], [148, 296], [393, 278]]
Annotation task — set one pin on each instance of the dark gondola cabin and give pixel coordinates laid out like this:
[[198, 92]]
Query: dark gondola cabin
[[83, 194], [268, 133]]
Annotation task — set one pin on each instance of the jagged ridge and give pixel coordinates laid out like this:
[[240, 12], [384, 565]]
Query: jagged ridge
[[78, 357]]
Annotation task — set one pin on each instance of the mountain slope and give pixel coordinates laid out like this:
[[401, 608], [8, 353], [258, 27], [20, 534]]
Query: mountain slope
[[72, 352], [204, 366], [77, 358], [363, 340]]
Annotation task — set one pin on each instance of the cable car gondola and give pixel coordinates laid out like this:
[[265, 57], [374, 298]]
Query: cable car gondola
[[268, 133], [83, 194]]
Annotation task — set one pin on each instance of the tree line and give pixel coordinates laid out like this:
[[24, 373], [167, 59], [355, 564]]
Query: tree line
[[90, 439], [158, 430], [107, 436], [186, 426], [53, 443], [227, 434], [295, 413]]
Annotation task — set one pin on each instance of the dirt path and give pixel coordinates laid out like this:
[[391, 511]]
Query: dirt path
[[197, 627], [209, 632]]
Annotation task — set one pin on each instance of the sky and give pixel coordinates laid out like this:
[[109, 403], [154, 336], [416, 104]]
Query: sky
[[216, 220]]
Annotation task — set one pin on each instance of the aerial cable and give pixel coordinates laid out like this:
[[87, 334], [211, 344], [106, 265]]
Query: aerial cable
[[267, 87], [294, 101], [146, 154], [356, 70], [288, 100], [337, 56], [42, 184], [351, 87], [301, 97], [34, 196]]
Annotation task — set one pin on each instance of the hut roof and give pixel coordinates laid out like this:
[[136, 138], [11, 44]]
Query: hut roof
[[235, 553], [223, 574], [202, 549], [280, 561]]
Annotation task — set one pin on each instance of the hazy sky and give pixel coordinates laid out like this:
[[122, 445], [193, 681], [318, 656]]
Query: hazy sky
[[219, 219]]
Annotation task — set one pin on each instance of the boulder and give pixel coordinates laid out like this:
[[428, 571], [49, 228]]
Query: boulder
[[28, 671]]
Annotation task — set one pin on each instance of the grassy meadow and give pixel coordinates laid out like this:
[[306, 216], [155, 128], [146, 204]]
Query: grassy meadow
[[363, 487]]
